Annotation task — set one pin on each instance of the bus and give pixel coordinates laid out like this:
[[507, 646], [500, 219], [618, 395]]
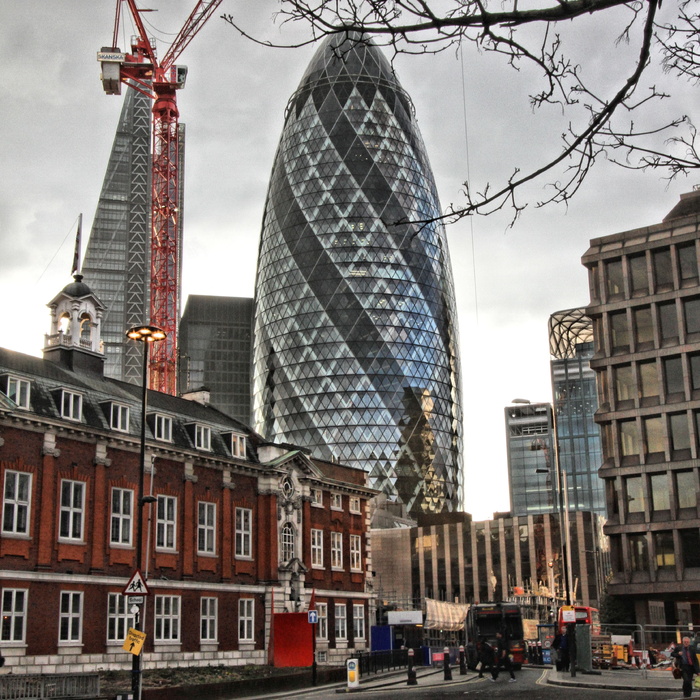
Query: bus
[[581, 614], [484, 620]]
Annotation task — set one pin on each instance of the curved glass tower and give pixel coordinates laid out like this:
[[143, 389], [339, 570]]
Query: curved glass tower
[[356, 353]]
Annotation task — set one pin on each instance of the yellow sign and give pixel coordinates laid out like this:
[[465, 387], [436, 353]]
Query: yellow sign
[[134, 641]]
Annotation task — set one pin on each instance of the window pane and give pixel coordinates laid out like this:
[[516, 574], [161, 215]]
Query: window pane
[[629, 438], [663, 543], [624, 383], [638, 270], [694, 371], [613, 277], [690, 547], [668, 321], [691, 312], [639, 552], [688, 263], [635, 495], [650, 379], [685, 488], [673, 375], [663, 272], [680, 434], [654, 435], [643, 326], [660, 494], [619, 330]]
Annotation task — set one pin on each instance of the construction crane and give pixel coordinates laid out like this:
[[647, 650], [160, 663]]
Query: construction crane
[[159, 80]]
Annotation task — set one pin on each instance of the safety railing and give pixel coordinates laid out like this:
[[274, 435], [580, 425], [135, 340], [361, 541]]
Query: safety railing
[[38, 687], [381, 661]]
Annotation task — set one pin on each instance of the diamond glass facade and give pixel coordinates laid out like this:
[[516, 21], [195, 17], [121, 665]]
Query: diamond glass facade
[[356, 351]]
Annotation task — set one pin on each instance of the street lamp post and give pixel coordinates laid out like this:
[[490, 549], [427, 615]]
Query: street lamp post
[[146, 335]]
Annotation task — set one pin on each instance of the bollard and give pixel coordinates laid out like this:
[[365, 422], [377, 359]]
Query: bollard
[[462, 661], [446, 664], [411, 671]]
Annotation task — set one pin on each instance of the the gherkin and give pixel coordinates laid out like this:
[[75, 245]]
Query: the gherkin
[[356, 353]]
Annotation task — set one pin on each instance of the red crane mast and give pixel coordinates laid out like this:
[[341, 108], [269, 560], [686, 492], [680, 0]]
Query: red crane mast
[[142, 71]]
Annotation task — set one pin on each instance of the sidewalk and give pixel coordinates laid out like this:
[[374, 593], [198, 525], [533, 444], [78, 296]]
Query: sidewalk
[[632, 681], [617, 680]]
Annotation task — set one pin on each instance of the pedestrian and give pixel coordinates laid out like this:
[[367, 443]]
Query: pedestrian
[[687, 662], [484, 656], [502, 658], [556, 655]]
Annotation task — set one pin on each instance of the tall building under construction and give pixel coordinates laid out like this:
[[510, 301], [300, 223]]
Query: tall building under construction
[[117, 257], [356, 343]]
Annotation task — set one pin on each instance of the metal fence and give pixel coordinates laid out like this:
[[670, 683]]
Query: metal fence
[[379, 661], [37, 687]]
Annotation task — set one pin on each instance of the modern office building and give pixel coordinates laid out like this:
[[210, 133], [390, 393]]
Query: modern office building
[[215, 351], [356, 344], [645, 307], [449, 557], [531, 460], [117, 257], [575, 402]]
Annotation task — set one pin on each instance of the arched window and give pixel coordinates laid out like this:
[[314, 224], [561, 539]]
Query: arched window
[[287, 542], [64, 323], [85, 328]]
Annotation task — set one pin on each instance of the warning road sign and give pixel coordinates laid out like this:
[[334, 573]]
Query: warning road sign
[[137, 585], [134, 641]]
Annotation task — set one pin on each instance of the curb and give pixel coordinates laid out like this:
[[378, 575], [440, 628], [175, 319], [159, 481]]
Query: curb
[[609, 686]]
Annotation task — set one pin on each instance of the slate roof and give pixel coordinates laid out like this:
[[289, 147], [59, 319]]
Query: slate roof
[[49, 378]]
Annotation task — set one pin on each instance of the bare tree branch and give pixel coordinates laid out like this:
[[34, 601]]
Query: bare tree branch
[[432, 26]]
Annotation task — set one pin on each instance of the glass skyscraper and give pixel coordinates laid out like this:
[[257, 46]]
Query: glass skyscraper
[[356, 353], [118, 253], [215, 351], [531, 459], [576, 401]]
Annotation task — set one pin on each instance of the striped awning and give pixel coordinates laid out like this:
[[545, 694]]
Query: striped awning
[[440, 615]]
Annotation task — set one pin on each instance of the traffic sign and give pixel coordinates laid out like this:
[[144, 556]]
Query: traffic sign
[[137, 585], [134, 641], [313, 617]]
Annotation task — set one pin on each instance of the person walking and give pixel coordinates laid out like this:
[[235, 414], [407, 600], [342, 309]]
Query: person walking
[[502, 658], [687, 661], [485, 656]]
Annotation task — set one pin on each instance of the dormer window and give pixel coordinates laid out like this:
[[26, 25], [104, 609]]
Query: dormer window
[[71, 405], [163, 428], [238, 446], [202, 437], [18, 390], [119, 417]]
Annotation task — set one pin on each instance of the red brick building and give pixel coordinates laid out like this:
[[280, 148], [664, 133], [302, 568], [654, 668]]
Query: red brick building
[[237, 528]]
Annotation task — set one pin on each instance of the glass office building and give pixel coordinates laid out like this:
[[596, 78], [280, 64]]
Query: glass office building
[[215, 351], [356, 352], [576, 401], [531, 459]]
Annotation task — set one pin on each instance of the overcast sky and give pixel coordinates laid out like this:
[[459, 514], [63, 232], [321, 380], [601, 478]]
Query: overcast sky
[[57, 132]]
